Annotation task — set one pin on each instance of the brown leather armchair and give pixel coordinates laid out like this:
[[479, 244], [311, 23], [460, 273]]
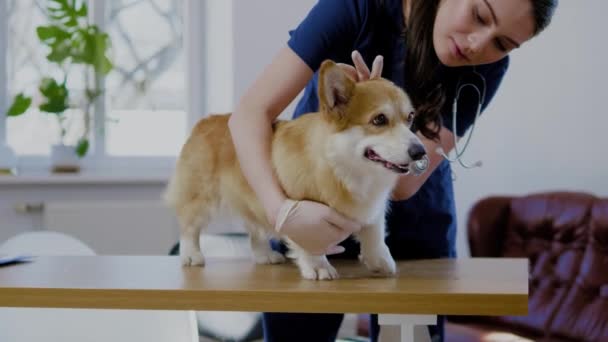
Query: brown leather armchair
[[565, 237]]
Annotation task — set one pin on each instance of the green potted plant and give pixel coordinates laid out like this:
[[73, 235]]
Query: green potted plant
[[73, 41]]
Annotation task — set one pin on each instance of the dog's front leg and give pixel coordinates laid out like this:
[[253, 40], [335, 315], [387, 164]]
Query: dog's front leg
[[374, 251], [314, 267]]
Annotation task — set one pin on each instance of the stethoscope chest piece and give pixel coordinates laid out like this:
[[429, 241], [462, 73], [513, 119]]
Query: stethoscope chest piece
[[419, 166]]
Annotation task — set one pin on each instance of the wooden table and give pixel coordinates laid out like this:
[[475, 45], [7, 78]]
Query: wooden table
[[422, 290]]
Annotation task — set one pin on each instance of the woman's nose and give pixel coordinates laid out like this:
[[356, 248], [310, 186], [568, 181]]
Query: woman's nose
[[477, 41]]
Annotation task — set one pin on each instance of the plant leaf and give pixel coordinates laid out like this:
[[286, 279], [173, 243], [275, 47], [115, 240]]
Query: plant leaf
[[48, 34], [20, 104], [93, 94], [56, 96], [66, 12], [57, 39], [90, 47], [82, 147]]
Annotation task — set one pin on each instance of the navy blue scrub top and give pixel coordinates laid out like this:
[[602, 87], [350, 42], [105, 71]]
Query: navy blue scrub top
[[423, 226]]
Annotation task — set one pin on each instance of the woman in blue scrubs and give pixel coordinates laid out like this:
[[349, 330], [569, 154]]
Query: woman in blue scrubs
[[429, 47]]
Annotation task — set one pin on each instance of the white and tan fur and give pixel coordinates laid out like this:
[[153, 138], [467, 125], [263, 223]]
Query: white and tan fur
[[318, 156]]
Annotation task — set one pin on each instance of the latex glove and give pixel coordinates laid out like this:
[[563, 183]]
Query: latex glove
[[314, 226], [360, 72]]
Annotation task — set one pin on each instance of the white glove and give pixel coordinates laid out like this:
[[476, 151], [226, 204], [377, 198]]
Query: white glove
[[314, 226]]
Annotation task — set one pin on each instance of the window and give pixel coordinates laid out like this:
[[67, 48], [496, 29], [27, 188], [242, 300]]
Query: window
[[146, 92], [144, 113], [26, 62]]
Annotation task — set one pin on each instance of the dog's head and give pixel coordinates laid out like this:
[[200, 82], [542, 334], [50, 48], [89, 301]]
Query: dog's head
[[372, 120]]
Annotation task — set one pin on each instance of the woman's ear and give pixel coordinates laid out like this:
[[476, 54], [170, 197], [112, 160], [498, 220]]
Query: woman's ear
[[335, 88]]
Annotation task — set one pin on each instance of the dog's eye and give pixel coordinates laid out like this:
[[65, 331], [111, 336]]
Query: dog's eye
[[410, 116], [380, 120]]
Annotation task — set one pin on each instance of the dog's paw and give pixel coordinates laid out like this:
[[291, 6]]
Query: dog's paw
[[192, 259], [379, 261], [319, 272], [269, 257]]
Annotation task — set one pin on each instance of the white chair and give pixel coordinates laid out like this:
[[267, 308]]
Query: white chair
[[233, 325], [91, 325], [45, 243]]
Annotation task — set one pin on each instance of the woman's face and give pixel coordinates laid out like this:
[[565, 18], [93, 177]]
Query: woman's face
[[473, 32]]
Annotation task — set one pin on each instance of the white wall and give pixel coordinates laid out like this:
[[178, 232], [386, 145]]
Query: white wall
[[545, 128], [261, 29], [219, 43]]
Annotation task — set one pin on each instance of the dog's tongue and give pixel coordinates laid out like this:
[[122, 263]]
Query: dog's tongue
[[390, 165], [372, 155]]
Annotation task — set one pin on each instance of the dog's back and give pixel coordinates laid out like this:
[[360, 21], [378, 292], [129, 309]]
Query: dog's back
[[196, 165], [208, 176]]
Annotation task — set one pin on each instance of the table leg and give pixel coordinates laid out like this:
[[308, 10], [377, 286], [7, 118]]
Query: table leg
[[405, 328]]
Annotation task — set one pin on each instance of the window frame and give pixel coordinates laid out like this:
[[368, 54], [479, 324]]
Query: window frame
[[97, 159]]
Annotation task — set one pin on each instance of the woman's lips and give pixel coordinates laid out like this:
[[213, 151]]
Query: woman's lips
[[456, 52]]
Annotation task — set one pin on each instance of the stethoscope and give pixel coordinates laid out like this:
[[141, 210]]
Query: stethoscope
[[422, 165]]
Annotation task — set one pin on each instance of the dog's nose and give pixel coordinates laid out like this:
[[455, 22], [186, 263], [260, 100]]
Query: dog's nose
[[416, 151]]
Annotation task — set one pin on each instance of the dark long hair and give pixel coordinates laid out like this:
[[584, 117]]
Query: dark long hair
[[422, 64]]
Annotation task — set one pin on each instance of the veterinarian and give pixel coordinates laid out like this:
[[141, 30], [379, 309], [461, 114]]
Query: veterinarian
[[428, 47]]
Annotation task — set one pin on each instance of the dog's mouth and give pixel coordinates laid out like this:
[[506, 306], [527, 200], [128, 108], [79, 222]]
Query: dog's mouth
[[398, 168]]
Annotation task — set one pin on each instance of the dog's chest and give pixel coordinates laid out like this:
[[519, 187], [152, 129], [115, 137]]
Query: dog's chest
[[366, 209], [368, 197]]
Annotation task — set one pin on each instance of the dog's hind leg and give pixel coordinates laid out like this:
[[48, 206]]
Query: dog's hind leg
[[260, 246], [193, 216]]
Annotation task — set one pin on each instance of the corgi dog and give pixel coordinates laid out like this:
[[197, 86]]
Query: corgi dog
[[348, 155]]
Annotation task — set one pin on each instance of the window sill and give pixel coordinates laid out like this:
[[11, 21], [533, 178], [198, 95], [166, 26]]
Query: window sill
[[88, 177], [94, 171]]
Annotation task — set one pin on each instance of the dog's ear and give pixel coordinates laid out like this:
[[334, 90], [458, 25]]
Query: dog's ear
[[335, 88]]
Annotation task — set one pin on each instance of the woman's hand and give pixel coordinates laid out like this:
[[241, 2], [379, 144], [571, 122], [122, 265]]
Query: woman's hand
[[360, 72], [314, 226]]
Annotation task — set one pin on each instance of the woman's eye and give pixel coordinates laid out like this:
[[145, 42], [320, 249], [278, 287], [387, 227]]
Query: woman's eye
[[380, 120], [478, 16], [500, 46]]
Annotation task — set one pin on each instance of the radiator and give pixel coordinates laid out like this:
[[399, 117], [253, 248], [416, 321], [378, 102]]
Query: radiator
[[130, 227], [123, 227]]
